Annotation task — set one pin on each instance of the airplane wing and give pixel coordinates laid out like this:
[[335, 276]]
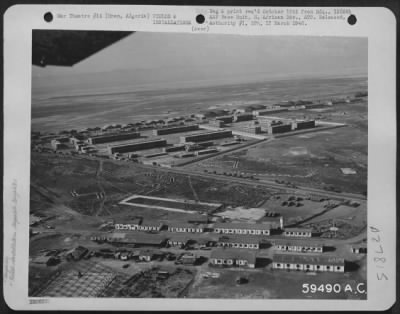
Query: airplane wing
[[68, 47]]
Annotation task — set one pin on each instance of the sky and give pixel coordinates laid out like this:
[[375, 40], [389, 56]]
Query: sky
[[161, 59]]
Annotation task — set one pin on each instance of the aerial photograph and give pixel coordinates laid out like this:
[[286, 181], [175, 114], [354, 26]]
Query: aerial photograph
[[203, 166]]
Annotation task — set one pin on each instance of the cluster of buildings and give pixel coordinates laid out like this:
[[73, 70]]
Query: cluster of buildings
[[232, 244], [258, 122]]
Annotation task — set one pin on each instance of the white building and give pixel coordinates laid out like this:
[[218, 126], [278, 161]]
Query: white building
[[298, 245], [232, 258], [242, 228], [298, 232], [239, 242], [308, 262], [184, 227]]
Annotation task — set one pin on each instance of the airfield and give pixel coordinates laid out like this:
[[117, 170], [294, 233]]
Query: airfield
[[313, 179]]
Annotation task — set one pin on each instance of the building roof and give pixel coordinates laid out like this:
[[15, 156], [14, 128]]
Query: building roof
[[184, 225], [130, 221], [140, 142], [298, 242], [234, 254], [113, 135], [241, 239], [298, 229], [198, 218], [242, 225], [136, 237], [150, 223], [182, 237], [308, 259]]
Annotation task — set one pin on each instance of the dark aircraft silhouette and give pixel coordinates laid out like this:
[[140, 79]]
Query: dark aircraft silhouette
[[68, 47]]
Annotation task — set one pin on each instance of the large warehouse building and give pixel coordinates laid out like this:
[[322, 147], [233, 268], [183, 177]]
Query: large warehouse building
[[206, 136], [301, 125], [279, 128], [113, 138], [176, 129], [132, 147]]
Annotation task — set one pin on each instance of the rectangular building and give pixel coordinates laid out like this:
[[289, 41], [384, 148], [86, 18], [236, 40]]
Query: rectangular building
[[176, 129], [129, 224], [308, 262], [231, 258], [217, 123], [279, 128], [108, 138], [185, 227], [198, 219], [243, 117], [225, 119], [265, 112], [132, 147], [175, 148], [301, 125], [150, 226], [179, 239], [136, 239], [206, 136], [274, 220], [242, 228], [240, 242], [298, 232], [298, 245], [252, 127]]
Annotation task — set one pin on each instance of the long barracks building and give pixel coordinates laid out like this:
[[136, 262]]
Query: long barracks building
[[298, 245], [185, 227], [132, 147], [176, 129], [131, 238], [242, 228], [113, 138], [307, 262], [298, 232], [206, 136], [241, 242]]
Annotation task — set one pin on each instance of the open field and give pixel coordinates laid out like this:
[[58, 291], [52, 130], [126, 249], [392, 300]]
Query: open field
[[120, 180], [60, 175]]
